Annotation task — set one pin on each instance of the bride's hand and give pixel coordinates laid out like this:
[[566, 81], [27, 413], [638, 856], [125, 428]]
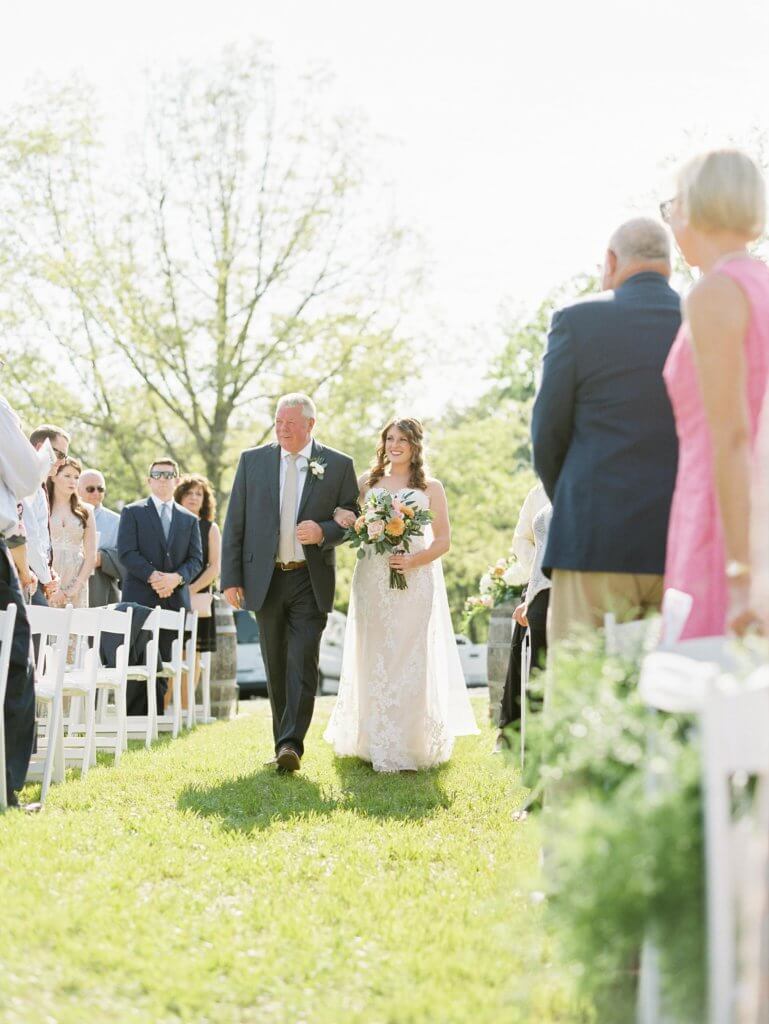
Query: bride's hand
[[402, 562], [344, 517]]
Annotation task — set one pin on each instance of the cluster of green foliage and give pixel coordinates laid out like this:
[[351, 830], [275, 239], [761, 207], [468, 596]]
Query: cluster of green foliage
[[623, 831]]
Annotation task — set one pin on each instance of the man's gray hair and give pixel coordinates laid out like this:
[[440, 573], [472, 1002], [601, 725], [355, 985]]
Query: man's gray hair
[[297, 400], [640, 240]]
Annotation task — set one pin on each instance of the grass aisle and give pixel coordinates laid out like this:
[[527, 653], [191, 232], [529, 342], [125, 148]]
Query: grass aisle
[[191, 884]]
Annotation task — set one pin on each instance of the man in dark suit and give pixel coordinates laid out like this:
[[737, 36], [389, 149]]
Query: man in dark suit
[[278, 559], [159, 545], [604, 438]]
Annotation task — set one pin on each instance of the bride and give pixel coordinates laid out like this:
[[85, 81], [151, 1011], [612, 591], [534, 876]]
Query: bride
[[402, 695]]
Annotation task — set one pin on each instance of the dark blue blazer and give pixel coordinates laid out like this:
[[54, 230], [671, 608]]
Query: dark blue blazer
[[143, 549], [604, 438]]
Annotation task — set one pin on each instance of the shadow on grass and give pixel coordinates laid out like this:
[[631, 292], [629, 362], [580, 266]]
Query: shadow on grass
[[255, 801]]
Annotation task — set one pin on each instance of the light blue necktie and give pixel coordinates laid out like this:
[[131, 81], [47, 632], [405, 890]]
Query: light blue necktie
[[165, 520]]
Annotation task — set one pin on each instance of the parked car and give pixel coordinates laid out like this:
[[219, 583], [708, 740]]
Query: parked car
[[252, 677], [473, 658]]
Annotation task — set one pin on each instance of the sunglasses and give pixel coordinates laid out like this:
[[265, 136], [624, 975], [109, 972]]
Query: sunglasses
[[90, 489], [162, 474], [59, 453]]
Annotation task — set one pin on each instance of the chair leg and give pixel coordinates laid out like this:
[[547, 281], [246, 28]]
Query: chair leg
[[152, 713], [53, 766], [89, 741], [176, 691], [205, 684], [121, 728], [3, 791]]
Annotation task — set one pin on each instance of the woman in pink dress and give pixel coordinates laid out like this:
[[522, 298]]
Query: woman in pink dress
[[716, 375]]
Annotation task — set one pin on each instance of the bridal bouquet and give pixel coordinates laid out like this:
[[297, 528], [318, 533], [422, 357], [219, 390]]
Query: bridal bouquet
[[386, 526]]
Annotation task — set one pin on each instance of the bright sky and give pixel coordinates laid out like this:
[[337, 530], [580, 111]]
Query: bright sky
[[522, 133]]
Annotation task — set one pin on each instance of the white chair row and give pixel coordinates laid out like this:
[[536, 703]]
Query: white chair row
[[68, 668]]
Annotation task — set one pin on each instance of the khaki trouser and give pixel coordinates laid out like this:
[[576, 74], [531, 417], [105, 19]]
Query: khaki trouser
[[583, 598]]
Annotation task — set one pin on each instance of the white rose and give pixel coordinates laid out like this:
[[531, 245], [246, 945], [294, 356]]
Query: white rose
[[514, 575]]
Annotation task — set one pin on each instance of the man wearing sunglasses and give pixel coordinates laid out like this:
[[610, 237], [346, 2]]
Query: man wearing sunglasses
[[104, 585], [159, 544]]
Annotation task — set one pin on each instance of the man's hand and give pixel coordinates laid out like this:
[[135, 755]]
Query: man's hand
[[164, 583], [235, 596], [308, 532], [520, 615], [98, 559], [29, 582]]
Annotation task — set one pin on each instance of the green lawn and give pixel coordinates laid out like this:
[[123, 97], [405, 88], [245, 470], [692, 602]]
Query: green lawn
[[192, 884]]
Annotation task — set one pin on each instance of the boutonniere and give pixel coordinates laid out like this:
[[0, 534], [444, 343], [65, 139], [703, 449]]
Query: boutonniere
[[317, 468]]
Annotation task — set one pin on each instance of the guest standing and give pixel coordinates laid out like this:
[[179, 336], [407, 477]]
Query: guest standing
[[604, 438], [717, 378], [37, 514], [73, 536], [531, 615], [104, 585], [22, 471]]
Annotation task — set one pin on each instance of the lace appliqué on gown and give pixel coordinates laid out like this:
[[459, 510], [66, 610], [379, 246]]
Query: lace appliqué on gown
[[68, 544], [402, 695]]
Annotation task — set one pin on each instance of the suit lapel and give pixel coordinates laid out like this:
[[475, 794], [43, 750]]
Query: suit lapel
[[273, 477], [309, 482], [154, 518]]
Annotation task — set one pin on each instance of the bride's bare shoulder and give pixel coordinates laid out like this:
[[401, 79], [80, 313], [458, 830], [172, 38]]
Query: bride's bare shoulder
[[433, 485]]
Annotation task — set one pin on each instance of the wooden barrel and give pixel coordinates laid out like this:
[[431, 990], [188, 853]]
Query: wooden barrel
[[500, 635], [224, 662]]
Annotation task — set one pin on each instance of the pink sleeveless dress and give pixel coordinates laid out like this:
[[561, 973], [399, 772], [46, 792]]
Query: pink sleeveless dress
[[696, 560]]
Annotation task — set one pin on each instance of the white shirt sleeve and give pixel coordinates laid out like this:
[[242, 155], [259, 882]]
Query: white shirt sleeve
[[36, 525], [523, 538], [22, 468]]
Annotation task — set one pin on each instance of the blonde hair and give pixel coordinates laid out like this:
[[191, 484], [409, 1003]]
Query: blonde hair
[[724, 190]]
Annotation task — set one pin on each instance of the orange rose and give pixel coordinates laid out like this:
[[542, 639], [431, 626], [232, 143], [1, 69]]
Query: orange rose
[[360, 524], [395, 528]]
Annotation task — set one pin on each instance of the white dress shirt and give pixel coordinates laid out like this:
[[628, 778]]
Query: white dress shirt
[[302, 468], [159, 506], [35, 517], [22, 469], [107, 523]]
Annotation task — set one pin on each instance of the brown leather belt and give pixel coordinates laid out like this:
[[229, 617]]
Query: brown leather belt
[[290, 566]]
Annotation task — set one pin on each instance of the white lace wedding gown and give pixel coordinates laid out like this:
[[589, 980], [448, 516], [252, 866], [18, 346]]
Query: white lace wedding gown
[[402, 694]]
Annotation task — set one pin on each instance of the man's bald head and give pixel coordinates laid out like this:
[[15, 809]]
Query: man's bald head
[[93, 479], [636, 246]]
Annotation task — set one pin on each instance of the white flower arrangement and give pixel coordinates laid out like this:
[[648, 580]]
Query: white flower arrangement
[[317, 468]]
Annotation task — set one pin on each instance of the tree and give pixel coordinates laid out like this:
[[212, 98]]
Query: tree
[[229, 259]]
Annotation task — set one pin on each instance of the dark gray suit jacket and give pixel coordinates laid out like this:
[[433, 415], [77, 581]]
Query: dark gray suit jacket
[[605, 445], [252, 525]]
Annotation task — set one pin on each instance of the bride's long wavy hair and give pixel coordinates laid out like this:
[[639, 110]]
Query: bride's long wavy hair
[[415, 436]]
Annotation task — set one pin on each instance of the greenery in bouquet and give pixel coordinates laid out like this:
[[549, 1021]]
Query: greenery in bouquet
[[622, 830], [502, 583], [387, 525]]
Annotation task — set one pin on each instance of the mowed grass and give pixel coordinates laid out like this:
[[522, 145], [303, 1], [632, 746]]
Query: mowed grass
[[193, 884]]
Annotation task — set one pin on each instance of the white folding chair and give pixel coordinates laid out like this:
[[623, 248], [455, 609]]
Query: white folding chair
[[51, 626], [525, 673], [7, 624], [735, 743], [172, 622], [189, 665], [80, 686], [203, 710], [141, 726], [112, 720]]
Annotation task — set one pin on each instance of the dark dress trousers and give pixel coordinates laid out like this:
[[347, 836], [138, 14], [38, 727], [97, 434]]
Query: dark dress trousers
[[604, 438], [19, 706], [292, 607], [510, 711]]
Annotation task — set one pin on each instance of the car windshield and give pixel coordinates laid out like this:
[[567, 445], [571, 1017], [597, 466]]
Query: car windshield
[[246, 627]]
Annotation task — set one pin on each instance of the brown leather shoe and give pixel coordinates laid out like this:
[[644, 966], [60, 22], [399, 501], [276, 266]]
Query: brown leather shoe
[[288, 760]]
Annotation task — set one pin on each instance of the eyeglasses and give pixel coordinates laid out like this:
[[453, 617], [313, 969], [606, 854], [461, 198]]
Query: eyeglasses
[[162, 474], [90, 489], [59, 453], [666, 210]]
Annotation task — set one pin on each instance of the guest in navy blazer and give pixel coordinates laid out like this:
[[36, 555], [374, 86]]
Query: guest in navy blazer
[[604, 438], [159, 544]]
